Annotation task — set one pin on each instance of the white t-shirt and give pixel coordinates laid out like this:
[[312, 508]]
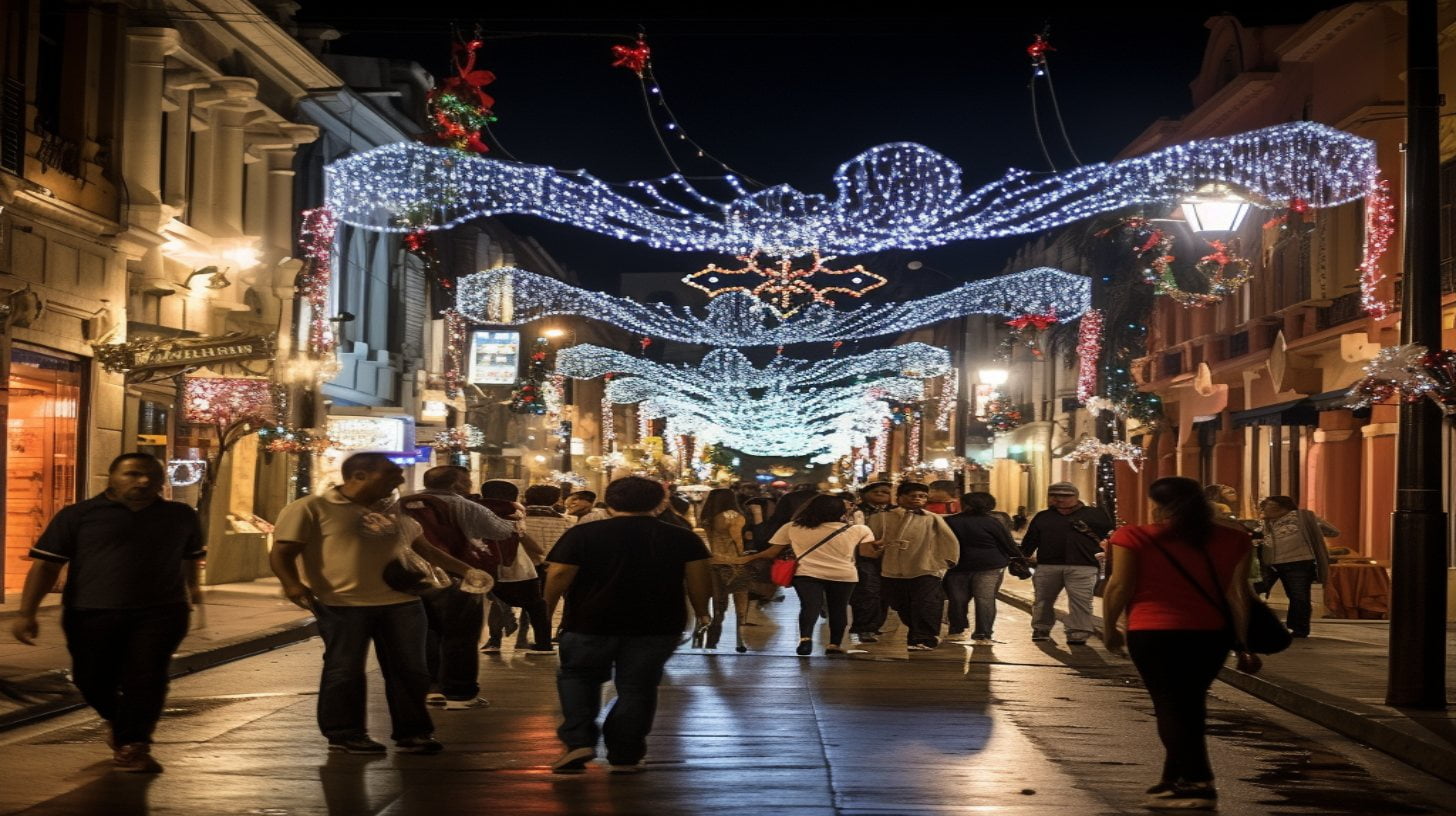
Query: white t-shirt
[[346, 547], [834, 561]]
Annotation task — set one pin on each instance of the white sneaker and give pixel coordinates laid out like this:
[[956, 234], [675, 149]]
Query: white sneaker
[[460, 705]]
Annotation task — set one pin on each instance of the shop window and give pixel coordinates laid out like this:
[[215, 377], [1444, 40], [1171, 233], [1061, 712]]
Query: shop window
[[42, 451]]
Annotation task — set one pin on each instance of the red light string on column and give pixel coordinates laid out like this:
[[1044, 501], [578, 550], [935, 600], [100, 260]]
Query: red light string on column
[[1089, 352], [1379, 227], [316, 239], [454, 352]]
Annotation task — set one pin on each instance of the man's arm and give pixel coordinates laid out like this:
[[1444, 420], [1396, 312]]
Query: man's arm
[[480, 522], [532, 547], [283, 560], [558, 580], [1032, 538], [38, 581], [439, 557]]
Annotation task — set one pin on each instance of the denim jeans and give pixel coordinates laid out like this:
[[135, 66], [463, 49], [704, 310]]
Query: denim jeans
[[119, 659], [451, 657], [866, 603], [634, 665], [1177, 667], [920, 602], [1297, 578], [979, 585], [1049, 581], [813, 593], [398, 634]]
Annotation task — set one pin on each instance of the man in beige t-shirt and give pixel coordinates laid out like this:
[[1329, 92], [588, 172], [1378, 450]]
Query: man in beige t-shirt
[[330, 551]]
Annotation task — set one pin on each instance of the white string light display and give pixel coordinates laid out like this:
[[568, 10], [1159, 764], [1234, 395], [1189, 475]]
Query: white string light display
[[511, 296], [894, 196], [728, 367]]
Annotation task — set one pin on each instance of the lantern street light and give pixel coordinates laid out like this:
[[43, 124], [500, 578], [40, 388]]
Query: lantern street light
[[993, 376], [1215, 208]]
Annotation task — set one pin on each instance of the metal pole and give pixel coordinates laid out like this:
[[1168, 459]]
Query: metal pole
[[1417, 669]]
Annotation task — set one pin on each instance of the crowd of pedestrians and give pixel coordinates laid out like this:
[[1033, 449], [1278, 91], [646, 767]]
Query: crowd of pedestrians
[[418, 578]]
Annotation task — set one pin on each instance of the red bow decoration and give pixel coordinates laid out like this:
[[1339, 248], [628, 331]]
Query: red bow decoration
[[467, 81], [632, 57], [1038, 48], [1036, 321], [645, 342], [1219, 255]]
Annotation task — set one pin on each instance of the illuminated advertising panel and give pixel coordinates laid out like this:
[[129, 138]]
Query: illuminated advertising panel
[[494, 357]]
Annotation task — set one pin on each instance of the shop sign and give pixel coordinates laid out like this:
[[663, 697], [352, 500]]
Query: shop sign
[[366, 433], [140, 359], [495, 357]]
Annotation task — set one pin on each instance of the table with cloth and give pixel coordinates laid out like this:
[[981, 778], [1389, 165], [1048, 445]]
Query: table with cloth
[[1357, 590]]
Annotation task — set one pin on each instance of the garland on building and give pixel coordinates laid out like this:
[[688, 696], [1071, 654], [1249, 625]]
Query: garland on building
[[1409, 373], [316, 239], [454, 352], [1222, 271], [1379, 227], [458, 440], [1089, 353], [530, 396], [460, 109], [1090, 451], [286, 438]]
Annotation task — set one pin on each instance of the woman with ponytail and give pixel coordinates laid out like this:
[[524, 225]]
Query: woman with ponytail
[[1183, 581]]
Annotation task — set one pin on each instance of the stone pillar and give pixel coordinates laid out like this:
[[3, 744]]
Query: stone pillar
[[227, 190], [141, 156], [1377, 482], [1330, 470]]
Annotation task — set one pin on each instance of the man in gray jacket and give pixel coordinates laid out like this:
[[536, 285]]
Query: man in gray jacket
[[916, 549], [1066, 542]]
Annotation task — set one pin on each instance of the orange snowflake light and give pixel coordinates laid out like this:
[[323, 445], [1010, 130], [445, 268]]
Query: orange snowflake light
[[785, 288]]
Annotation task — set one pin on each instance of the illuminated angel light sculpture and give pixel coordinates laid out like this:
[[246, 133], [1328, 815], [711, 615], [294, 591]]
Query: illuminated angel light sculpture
[[514, 296], [894, 196]]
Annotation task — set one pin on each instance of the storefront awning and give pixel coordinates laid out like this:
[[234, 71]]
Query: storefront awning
[[1294, 412], [1335, 401]]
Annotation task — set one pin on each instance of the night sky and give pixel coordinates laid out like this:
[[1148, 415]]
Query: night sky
[[787, 98]]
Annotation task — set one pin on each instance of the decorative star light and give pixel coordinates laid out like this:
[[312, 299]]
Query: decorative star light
[[512, 296], [895, 196], [786, 288]]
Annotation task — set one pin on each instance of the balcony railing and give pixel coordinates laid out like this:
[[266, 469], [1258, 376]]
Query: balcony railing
[[59, 154], [1238, 344], [12, 126], [1172, 363], [1342, 309]]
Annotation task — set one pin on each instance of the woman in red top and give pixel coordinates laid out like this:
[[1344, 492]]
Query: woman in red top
[[1179, 634]]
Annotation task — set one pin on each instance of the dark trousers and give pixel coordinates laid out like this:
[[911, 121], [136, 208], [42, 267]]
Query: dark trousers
[[454, 618], [634, 665], [1177, 667], [1297, 578], [398, 632], [978, 585], [527, 596], [866, 602], [119, 661], [814, 593], [919, 602]]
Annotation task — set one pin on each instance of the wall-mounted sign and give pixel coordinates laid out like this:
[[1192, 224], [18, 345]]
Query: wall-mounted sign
[[494, 357], [143, 359], [368, 433]]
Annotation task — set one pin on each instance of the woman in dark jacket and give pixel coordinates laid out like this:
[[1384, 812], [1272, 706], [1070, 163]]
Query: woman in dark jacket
[[985, 549]]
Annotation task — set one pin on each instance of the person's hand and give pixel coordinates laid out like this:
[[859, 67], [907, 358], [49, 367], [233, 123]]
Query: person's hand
[[519, 514], [25, 629], [1114, 640], [300, 595], [476, 582]]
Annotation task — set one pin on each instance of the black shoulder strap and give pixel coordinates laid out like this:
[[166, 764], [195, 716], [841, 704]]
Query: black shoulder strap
[[1220, 603], [822, 542]]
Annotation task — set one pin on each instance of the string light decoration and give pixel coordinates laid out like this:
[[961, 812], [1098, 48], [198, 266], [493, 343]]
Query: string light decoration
[[185, 472], [455, 327], [912, 442], [1409, 373], [632, 57], [1089, 353], [786, 288], [950, 393], [289, 439], [609, 421], [229, 401], [316, 240], [1089, 451], [894, 196], [881, 445], [1379, 227], [730, 367], [459, 439], [570, 477], [530, 396], [513, 296]]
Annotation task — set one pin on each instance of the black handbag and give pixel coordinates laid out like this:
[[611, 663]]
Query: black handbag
[[1266, 635]]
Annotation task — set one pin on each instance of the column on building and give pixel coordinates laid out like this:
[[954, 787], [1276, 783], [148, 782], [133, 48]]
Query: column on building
[[1332, 468], [1377, 481]]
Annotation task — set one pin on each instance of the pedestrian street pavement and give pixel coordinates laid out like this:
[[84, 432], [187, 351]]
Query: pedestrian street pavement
[[1014, 728]]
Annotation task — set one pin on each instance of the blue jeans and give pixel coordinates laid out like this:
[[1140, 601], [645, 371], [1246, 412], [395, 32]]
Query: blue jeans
[[1297, 578], [634, 664], [451, 652], [398, 634], [979, 585]]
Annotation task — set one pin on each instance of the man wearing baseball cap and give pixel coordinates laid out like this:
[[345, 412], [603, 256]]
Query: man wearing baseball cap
[[1065, 541]]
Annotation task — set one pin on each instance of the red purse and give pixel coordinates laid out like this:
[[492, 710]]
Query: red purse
[[783, 569]]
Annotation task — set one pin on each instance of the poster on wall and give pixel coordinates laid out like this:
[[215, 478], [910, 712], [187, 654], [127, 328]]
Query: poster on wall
[[495, 356]]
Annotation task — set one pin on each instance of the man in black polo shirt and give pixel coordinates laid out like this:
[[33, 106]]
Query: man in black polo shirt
[[133, 571], [623, 579]]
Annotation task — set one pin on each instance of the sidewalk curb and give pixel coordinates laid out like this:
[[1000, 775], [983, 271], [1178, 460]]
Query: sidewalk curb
[[1363, 727], [217, 654]]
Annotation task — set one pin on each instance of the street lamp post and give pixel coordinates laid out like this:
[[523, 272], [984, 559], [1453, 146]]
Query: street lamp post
[[1417, 667]]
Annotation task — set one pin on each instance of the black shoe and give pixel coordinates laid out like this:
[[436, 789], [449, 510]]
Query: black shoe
[[425, 744], [491, 646], [1077, 643], [867, 638], [1184, 796], [357, 745], [574, 760], [1040, 637], [805, 647]]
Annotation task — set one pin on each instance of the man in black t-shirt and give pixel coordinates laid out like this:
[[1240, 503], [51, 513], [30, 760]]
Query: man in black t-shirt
[[133, 571], [623, 580]]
